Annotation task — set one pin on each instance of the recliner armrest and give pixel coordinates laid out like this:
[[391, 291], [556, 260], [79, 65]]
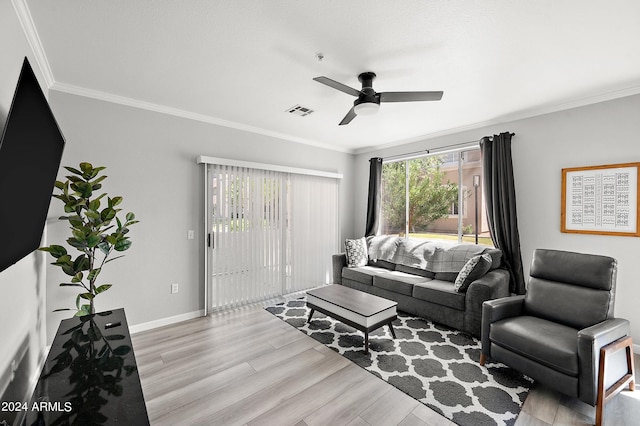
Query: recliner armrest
[[495, 310], [339, 261], [590, 341]]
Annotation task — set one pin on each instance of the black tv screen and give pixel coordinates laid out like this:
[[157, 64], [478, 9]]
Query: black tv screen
[[30, 152]]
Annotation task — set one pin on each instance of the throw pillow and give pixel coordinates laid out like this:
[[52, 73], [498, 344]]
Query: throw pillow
[[356, 252], [475, 268]]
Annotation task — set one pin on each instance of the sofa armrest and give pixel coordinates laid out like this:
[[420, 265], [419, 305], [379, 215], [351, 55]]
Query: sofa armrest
[[493, 285], [339, 262], [590, 341], [495, 310]]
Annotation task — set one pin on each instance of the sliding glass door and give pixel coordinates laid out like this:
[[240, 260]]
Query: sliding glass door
[[270, 233]]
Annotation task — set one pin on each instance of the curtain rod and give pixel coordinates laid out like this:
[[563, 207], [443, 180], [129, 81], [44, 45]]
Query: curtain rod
[[415, 154]]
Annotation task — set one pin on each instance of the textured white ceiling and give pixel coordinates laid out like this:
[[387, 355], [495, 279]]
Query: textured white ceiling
[[245, 62]]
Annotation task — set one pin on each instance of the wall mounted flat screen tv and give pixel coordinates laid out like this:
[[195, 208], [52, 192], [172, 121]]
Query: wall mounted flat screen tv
[[30, 152]]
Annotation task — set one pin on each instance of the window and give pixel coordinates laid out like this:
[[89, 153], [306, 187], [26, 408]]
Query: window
[[434, 197]]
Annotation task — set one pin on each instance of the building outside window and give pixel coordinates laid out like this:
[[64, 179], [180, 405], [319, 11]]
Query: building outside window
[[421, 198]]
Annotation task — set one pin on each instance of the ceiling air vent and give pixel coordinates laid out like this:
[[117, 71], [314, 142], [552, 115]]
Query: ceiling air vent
[[300, 110]]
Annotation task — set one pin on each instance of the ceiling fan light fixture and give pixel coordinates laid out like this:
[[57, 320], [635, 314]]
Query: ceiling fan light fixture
[[368, 100], [366, 108]]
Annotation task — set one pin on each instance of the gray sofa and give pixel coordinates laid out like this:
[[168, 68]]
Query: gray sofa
[[420, 276]]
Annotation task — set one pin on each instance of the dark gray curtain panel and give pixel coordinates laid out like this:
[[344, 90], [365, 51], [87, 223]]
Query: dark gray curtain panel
[[500, 198], [373, 203]]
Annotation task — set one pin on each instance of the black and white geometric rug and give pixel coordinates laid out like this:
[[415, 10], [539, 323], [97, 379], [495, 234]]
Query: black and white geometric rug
[[436, 365]]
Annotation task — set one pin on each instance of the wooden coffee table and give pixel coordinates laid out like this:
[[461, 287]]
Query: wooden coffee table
[[360, 310]]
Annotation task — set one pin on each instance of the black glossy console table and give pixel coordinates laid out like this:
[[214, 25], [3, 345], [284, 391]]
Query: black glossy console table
[[90, 376]]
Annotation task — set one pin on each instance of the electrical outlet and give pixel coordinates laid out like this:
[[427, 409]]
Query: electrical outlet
[[190, 234], [174, 288]]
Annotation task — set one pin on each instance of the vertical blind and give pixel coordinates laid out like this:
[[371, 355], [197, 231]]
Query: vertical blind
[[271, 233], [312, 232]]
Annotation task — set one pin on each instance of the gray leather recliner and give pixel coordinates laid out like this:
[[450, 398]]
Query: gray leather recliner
[[555, 331]]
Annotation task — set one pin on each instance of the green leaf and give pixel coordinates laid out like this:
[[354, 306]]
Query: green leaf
[[94, 204], [82, 188], [114, 201], [55, 250], [59, 184], [70, 285], [93, 275], [108, 214], [68, 269], [87, 296], [122, 245], [77, 278], [97, 181], [72, 170], [79, 244], [75, 221], [81, 263], [102, 288], [105, 248], [86, 167], [130, 216], [84, 310], [92, 214], [93, 240]]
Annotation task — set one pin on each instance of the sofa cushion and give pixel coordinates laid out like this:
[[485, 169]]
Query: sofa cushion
[[546, 342], [362, 274], [441, 293], [356, 251], [496, 257], [452, 257], [475, 268], [399, 282], [446, 276]]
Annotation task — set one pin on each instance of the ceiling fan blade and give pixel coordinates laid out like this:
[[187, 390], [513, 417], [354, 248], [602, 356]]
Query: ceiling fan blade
[[347, 118], [338, 86], [410, 96]]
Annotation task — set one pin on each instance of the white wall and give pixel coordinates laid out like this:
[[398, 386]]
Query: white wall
[[22, 286], [151, 162], [603, 133]]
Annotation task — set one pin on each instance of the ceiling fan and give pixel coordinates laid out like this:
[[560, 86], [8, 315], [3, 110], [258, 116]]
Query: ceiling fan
[[368, 101]]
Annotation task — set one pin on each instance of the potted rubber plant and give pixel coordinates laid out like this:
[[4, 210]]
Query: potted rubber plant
[[97, 233]]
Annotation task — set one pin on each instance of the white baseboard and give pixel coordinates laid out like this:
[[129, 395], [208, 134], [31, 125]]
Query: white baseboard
[[636, 349], [165, 321]]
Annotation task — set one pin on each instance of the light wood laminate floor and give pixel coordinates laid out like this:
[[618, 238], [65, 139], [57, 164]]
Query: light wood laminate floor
[[248, 367]]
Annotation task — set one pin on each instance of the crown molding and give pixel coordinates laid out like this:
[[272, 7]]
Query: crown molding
[[519, 115], [163, 109], [29, 28]]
